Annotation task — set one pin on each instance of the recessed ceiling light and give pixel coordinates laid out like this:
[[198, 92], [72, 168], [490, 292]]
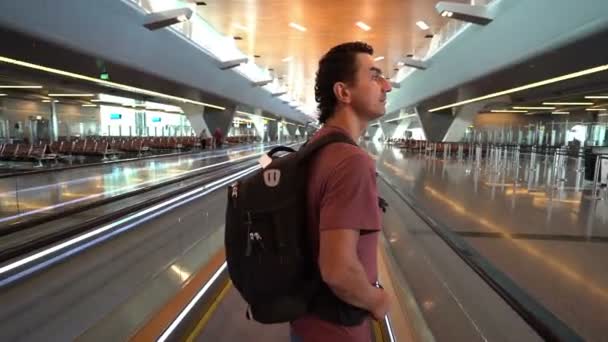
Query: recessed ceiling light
[[46, 101], [287, 59], [3, 94], [363, 26], [379, 58], [560, 112], [89, 105], [597, 97], [596, 109], [297, 27], [20, 87], [422, 25], [568, 103]]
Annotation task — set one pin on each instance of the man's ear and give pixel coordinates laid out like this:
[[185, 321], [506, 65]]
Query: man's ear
[[342, 92]]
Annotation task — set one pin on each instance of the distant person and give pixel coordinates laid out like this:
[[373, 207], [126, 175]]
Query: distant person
[[218, 136], [343, 219], [203, 138]]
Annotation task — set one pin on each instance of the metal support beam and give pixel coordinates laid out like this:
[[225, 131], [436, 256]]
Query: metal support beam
[[261, 83], [54, 123], [476, 14], [233, 63], [415, 63], [158, 20]]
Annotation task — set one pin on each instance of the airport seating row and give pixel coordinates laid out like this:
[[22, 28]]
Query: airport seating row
[[27, 152]]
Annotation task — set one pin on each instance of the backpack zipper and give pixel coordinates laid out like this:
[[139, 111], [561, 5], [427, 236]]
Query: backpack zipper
[[235, 193], [259, 239], [248, 223]]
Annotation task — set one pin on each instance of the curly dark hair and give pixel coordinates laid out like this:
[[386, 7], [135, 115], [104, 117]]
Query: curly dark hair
[[338, 65]]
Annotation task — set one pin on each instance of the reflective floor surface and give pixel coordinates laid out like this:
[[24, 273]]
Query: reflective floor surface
[[531, 217], [107, 292], [29, 196]]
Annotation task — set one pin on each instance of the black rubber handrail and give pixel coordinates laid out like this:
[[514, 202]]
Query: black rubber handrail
[[17, 226], [544, 322], [46, 240]]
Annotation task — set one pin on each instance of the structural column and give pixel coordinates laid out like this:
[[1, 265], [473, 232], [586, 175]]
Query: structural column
[[291, 129], [219, 119], [195, 115], [272, 131], [54, 123]]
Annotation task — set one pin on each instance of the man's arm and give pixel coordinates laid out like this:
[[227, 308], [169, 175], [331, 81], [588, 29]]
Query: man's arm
[[344, 273]]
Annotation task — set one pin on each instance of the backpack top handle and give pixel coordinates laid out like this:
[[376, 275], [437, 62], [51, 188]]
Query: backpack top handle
[[278, 149]]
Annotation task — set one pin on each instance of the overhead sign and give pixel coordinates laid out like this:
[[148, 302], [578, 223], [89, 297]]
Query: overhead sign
[[115, 116], [155, 119]]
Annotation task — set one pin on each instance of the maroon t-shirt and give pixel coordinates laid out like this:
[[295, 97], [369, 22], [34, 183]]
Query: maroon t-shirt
[[342, 194]]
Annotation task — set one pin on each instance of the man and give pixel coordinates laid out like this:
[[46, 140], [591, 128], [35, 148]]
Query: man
[[218, 136], [203, 138], [343, 216]]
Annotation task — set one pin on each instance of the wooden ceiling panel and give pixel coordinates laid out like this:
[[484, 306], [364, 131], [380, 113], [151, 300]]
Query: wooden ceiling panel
[[264, 27]]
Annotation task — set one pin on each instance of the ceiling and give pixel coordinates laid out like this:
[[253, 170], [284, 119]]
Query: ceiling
[[264, 28]]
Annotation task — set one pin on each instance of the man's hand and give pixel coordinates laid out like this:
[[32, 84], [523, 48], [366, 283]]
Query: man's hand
[[381, 306]]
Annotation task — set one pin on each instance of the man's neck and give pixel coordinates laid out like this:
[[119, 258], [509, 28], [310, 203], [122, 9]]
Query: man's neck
[[348, 121]]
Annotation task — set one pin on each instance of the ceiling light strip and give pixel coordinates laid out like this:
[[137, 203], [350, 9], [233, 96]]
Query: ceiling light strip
[[534, 108], [20, 87], [71, 95], [525, 87], [103, 82], [508, 111], [255, 115], [568, 103]]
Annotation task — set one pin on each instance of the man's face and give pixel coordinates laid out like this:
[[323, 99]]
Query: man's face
[[369, 89]]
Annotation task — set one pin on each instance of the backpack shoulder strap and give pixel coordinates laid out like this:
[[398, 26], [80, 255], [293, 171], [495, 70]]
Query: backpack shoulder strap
[[310, 149]]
